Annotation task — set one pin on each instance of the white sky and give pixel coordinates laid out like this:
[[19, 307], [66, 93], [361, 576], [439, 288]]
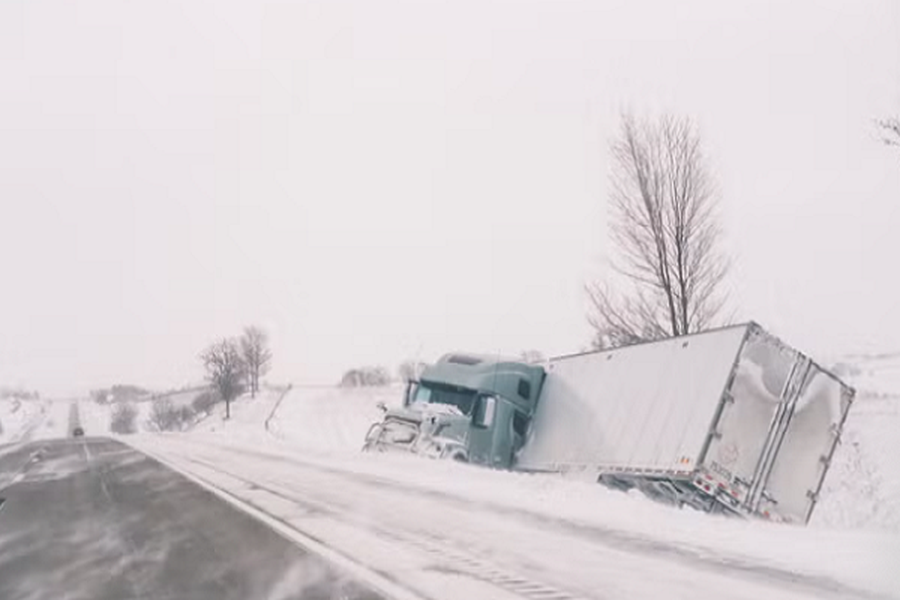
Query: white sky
[[379, 180]]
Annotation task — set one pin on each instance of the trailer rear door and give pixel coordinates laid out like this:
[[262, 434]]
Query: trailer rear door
[[805, 452], [750, 412]]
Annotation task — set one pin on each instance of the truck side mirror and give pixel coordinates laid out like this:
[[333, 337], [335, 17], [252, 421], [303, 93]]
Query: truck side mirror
[[381, 406], [483, 415]]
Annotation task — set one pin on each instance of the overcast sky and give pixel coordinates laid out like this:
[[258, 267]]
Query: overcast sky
[[372, 181]]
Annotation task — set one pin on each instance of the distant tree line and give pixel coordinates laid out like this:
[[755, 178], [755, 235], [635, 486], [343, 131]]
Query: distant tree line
[[365, 377], [232, 367], [164, 415], [377, 375], [119, 393], [18, 393]]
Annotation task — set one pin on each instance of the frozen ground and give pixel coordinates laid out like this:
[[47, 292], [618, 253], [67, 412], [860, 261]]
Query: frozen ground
[[18, 417], [330, 419], [862, 490], [30, 420]]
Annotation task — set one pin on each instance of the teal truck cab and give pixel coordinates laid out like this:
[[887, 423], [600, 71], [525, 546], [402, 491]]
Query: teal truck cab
[[727, 420], [464, 407]]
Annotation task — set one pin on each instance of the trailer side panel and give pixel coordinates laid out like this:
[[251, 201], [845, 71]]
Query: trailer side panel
[[643, 409]]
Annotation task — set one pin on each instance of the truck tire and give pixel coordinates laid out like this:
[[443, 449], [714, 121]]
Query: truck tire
[[459, 456], [455, 453]]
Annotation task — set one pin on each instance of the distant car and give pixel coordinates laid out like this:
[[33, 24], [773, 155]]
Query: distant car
[[78, 432]]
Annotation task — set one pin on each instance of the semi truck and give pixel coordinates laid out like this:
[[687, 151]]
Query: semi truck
[[730, 420]]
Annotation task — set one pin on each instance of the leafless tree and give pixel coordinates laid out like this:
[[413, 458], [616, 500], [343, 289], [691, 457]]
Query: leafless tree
[[225, 370], [890, 131], [205, 401], [122, 418], [669, 266], [256, 354], [165, 415]]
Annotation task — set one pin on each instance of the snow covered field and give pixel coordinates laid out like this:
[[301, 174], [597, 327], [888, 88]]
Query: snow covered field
[[17, 417], [31, 420], [331, 419]]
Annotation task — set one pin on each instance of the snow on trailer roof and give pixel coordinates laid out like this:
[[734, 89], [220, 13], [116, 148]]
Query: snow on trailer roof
[[641, 408]]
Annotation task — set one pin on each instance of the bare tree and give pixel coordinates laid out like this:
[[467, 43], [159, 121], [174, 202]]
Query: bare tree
[[205, 401], [225, 370], [122, 418], [891, 131], [256, 354], [664, 226]]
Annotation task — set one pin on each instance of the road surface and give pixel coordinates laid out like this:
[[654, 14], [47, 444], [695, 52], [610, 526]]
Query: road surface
[[441, 546], [92, 519]]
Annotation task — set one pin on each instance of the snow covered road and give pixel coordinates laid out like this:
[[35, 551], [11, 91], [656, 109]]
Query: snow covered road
[[437, 545]]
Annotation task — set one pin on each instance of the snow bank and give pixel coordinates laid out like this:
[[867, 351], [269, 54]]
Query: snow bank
[[18, 418], [53, 422], [862, 490], [248, 415], [331, 419]]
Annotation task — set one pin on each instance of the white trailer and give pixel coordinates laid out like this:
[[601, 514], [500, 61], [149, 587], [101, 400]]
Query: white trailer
[[729, 420]]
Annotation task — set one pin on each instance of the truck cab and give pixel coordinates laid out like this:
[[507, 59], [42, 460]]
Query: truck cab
[[464, 407]]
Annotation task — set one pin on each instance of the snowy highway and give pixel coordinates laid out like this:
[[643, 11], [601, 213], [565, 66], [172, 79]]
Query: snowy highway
[[414, 542], [91, 519]]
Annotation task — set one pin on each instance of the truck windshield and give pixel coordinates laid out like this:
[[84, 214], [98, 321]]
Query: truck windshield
[[459, 398]]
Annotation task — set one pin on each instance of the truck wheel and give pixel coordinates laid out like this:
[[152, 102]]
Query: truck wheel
[[459, 457]]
